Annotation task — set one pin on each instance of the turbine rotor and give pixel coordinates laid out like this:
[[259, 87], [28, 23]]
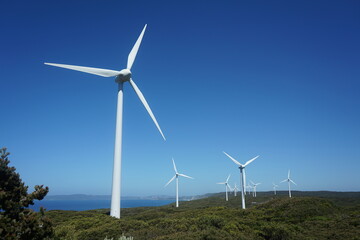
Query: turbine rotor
[[123, 76]]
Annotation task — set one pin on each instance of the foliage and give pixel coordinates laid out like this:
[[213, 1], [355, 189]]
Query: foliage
[[16, 220], [274, 218]]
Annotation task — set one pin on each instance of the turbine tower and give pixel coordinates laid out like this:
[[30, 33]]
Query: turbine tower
[[254, 187], [288, 180], [226, 183], [177, 174], [120, 78], [242, 176], [274, 187]]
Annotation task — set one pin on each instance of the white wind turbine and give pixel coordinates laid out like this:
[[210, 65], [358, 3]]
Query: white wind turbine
[[274, 187], [249, 187], [120, 78], [254, 187], [289, 180], [235, 189], [177, 174], [226, 183], [243, 177]]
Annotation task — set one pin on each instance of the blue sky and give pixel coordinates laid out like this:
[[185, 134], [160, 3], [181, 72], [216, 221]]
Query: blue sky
[[279, 79]]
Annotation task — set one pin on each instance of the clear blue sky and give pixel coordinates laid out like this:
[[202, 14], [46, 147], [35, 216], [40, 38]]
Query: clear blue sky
[[279, 79]]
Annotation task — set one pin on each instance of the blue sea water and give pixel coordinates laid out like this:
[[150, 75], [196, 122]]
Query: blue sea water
[[81, 205]]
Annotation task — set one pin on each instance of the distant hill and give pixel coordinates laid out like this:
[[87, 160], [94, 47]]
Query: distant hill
[[328, 215], [108, 197]]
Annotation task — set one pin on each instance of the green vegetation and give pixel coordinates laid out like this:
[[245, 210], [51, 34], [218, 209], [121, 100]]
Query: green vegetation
[[307, 216], [268, 217], [16, 220]]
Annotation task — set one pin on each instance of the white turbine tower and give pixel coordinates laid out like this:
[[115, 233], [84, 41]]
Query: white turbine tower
[[254, 187], [274, 187], [288, 180], [120, 78], [177, 174], [226, 183], [243, 177]]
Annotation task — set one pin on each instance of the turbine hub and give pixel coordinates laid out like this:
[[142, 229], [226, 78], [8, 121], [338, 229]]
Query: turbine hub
[[123, 76]]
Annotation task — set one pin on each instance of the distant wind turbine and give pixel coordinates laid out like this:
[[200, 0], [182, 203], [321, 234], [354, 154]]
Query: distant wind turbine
[[235, 189], [177, 174], [274, 187], [254, 187], [249, 187], [243, 177], [289, 180], [226, 183], [120, 78]]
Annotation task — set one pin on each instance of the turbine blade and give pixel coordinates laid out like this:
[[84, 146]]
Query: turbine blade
[[134, 50], [236, 162], [248, 162], [289, 174], [228, 178], [146, 105], [95, 71], [172, 179], [183, 175], [174, 166], [252, 182], [292, 181], [283, 181], [221, 183]]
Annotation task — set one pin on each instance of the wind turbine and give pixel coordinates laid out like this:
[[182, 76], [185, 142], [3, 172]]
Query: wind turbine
[[226, 183], [235, 189], [254, 187], [242, 173], [120, 78], [177, 174], [249, 188], [289, 180], [274, 187]]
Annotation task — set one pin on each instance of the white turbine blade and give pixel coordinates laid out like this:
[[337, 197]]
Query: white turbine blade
[[248, 162], [236, 162], [289, 174], [172, 179], [283, 181], [228, 178], [95, 71], [221, 183], [183, 175], [174, 166], [146, 105], [292, 181], [134, 50], [252, 182]]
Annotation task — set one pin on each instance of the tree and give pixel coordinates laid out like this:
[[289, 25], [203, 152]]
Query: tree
[[16, 220]]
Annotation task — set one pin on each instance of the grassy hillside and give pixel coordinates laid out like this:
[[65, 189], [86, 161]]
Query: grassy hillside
[[326, 216]]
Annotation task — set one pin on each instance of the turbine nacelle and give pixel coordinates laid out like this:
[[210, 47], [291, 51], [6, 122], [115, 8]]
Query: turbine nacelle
[[123, 76]]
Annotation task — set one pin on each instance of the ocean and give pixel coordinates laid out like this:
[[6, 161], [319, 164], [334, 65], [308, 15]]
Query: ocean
[[81, 205]]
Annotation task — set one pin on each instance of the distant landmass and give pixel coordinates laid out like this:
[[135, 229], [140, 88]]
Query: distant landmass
[[108, 197], [190, 198]]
